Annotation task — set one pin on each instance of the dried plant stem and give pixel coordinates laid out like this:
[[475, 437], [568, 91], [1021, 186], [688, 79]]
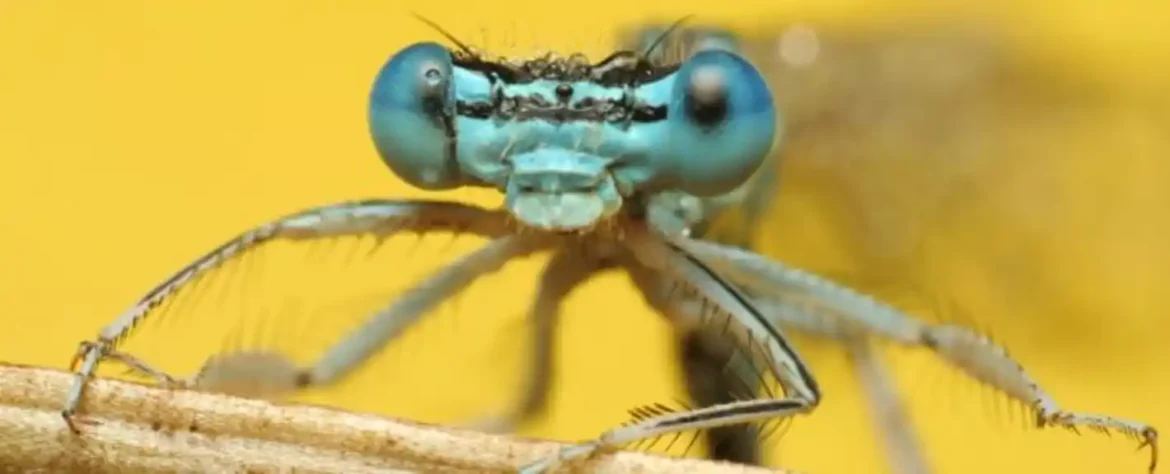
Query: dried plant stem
[[129, 427]]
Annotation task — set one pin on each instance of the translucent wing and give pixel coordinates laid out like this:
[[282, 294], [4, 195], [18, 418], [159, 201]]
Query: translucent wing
[[911, 147], [932, 144]]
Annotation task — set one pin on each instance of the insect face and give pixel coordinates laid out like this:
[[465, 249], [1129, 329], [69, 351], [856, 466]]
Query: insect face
[[567, 141]]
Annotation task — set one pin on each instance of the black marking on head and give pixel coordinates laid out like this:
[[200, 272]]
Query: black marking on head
[[536, 106], [564, 92], [622, 68], [434, 106]]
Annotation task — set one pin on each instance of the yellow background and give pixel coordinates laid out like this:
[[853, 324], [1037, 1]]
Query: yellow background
[[135, 135]]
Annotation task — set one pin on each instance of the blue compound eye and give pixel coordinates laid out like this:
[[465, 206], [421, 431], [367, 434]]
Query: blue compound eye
[[722, 123], [412, 116]]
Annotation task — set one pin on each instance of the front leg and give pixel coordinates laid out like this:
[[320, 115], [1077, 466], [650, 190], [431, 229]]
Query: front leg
[[711, 370], [727, 308], [710, 380], [381, 218]]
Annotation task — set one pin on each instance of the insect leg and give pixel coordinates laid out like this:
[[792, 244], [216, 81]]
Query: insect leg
[[381, 218], [250, 374], [391, 322], [725, 307], [970, 352], [705, 361], [138, 365], [565, 271], [712, 373], [890, 417]]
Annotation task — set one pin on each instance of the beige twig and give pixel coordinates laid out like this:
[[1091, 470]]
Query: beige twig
[[129, 427]]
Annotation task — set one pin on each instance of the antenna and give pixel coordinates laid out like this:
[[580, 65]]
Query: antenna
[[658, 41], [445, 34]]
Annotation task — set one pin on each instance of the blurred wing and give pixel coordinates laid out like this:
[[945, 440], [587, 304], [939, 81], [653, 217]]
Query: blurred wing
[[914, 152], [937, 148]]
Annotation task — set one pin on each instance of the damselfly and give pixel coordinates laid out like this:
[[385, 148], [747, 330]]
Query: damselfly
[[614, 164]]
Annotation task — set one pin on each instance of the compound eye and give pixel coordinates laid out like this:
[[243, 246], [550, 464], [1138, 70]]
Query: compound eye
[[412, 116], [722, 123]]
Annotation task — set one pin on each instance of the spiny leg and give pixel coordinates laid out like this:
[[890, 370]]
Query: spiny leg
[[970, 352], [382, 328], [249, 374], [889, 414], [712, 373], [988, 362], [710, 383], [734, 219], [705, 219], [381, 218], [140, 366], [727, 308], [566, 270]]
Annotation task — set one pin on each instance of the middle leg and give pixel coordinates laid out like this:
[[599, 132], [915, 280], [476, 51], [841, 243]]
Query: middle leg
[[841, 309], [567, 269]]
